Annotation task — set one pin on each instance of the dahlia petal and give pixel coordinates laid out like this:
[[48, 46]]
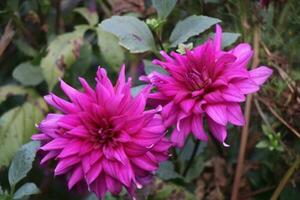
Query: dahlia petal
[[235, 114], [94, 172], [40, 137], [60, 104], [178, 137], [247, 86], [71, 148], [218, 113], [103, 80], [99, 186], [218, 38], [76, 176], [87, 88], [65, 163], [260, 74], [112, 185], [218, 131], [58, 143], [145, 163], [243, 53], [121, 81], [197, 128], [187, 105], [49, 156], [79, 131], [69, 91], [214, 97], [232, 94]]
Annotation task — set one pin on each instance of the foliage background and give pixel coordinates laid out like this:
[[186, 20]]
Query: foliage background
[[42, 40]]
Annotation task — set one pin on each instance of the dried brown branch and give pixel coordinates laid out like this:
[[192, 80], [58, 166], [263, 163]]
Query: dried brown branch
[[6, 37], [286, 179], [292, 129], [245, 130]]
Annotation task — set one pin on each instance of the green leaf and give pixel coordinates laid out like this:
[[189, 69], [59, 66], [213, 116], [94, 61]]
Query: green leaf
[[229, 38], [150, 67], [166, 171], [111, 51], [90, 16], [22, 162], [25, 48], [10, 90], [16, 128], [1, 191], [26, 190], [62, 53], [195, 170], [27, 74], [164, 7], [164, 191], [133, 33], [262, 144], [136, 90], [189, 27]]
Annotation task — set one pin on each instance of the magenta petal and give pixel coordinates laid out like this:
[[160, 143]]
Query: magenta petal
[[235, 114], [260, 74], [218, 38], [218, 113], [197, 128], [76, 176], [218, 131], [233, 94], [247, 86], [94, 172]]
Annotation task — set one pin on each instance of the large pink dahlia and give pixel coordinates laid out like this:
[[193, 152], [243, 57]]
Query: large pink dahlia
[[103, 138], [205, 82]]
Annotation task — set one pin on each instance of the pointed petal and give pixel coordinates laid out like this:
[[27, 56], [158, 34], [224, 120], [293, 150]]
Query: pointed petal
[[235, 114], [197, 128], [218, 113], [260, 74]]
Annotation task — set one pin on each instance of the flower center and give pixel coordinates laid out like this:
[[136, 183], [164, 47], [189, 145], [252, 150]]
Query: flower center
[[197, 80]]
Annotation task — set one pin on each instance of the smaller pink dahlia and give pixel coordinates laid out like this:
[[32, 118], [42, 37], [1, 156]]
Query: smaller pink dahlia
[[104, 138], [206, 82]]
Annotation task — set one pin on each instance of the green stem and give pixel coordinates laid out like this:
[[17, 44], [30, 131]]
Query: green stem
[[192, 158]]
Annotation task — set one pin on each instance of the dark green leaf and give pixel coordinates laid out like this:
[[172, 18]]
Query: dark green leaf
[[150, 67], [111, 51], [133, 33], [16, 128], [90, 16], [166, 171], [62, 53], [10, 90], [27, 74], [26, 190], [22, 162], [189, 27], [229, 38], [164, 191], [25, 48], [136, 90], [196, 169], [164, 7]]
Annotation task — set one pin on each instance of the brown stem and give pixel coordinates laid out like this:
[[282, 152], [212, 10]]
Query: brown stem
[[245, 130], [285, 179]]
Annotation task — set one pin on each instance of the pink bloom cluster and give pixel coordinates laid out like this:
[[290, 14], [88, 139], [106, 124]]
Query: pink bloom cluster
[[104, 138], [206, 82]]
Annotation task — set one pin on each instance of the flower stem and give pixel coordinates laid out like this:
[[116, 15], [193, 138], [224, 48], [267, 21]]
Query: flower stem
[[191, 158], [286, 178]]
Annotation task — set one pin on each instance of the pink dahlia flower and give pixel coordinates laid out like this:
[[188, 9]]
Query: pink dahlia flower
[[206, 82], [103, 138]]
